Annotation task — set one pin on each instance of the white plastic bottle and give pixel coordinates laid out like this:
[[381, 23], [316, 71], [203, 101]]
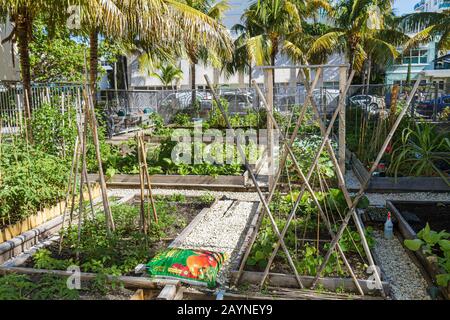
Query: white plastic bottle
[[388, 228]]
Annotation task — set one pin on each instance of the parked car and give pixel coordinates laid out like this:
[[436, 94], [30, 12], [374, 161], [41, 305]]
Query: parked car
[[370, 103], [238, 102], [426, 108]]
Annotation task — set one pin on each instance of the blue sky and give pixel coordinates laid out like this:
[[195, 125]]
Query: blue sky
[[404, 6], [238, 6]]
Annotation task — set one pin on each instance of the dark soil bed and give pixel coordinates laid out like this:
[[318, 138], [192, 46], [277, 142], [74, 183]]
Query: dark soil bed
[[128, 247], [418, 215]]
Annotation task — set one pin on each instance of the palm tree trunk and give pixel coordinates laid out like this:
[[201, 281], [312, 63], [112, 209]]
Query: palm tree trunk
[[23, 25], [369, 74], [193, 84], [93, 66], [250, 70]]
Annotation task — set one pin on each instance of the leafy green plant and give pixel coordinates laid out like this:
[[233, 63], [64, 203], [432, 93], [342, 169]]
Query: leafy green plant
[[47, 287], [30, 180], [419, 151], [182, 119], [433, 243]]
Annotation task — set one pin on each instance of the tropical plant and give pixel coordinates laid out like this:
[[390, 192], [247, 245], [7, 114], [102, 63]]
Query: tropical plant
[[204, 52], [22, 14], [55, 57], [434, 25], [419, 151], [168, 74], [361, 29], [433, 243]]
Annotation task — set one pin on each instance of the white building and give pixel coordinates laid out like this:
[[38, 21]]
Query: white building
[[140, 81], [432, 5], [7, 54]]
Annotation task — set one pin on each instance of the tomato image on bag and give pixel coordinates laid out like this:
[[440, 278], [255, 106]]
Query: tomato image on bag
[[197, 267]]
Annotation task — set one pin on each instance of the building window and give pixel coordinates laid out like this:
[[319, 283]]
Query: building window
[[415, 56]]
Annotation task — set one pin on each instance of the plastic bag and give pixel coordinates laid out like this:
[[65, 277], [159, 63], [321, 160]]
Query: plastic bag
[[198, 267]]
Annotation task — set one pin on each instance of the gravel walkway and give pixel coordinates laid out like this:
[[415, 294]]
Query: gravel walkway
[[379, 199], [245, 196], [403, 275], [222, 229]]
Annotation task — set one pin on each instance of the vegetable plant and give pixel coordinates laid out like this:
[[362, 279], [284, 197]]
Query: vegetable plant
[[433, 243]]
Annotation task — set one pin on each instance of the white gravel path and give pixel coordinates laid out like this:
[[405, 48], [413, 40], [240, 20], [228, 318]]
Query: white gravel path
[[403, 275], [379, 199], [222, 229], [245, 196]]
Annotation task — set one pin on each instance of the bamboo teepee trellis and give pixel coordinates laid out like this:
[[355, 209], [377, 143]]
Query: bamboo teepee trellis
[[338, 168]]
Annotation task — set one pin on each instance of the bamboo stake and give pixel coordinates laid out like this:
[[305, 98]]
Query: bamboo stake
[[147, 175], [83, 171], [142, 220], [255, 182], [310, 190], [278, 173], [360, 193], [69, 184], [93, 123]]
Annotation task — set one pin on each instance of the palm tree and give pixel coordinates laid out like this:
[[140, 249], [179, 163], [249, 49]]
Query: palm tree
[[169, 73], [159, 27], [361, 30], [436, 25], [204, 52], [241, 60], [22, 14], [270, 27]]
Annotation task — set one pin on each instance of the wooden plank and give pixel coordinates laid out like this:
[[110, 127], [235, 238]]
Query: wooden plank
[[138, 295], [168, 292], [342, 120], [289, 281], [399, 184], [127, 281]]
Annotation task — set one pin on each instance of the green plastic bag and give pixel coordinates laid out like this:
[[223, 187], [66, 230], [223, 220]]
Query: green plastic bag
[[197, 267]]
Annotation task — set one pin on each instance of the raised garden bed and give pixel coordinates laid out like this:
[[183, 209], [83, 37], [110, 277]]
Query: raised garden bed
[[281, 276], [411, 217], [399, 184], [127, 247]]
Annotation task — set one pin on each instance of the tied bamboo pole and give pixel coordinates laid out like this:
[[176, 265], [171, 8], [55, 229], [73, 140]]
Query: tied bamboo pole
[[147, 176], [352, 205], [256, 184], [309, 188]]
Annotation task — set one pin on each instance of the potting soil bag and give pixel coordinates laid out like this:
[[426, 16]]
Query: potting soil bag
[[196, 267]]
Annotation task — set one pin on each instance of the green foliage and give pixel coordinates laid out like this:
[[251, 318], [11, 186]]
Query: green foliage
[[306, 258], [433, 243], [47, 287], [120, 252], [305, 150], [53, 130], [419, 151], [182, 119], [159, 127], [56, 57], [30, 179]]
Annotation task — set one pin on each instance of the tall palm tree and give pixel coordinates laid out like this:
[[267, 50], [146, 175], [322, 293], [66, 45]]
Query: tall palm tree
[[163, 26], [360, 30], [204, 52], [168, 74], [270, 27], [435, 25], [22, 14], [241, 60]]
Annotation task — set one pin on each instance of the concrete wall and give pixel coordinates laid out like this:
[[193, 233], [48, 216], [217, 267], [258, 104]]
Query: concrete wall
[[7, 71]]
